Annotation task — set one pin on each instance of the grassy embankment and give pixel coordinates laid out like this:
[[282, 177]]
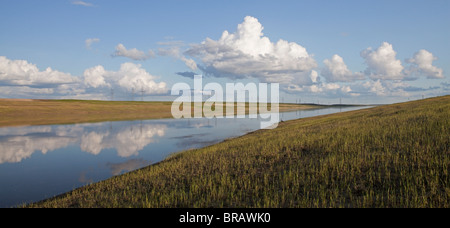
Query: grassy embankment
[[389, 156], [44, 112]]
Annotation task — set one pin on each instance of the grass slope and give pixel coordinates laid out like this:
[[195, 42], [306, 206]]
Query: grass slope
[[389, 156]]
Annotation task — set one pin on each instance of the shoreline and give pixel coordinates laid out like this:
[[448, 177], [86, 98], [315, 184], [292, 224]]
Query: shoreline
[[180, 153], [26, 112], [296, 165]]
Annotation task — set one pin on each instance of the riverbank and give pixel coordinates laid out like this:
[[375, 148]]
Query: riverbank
[[22, 112], [389, 156]]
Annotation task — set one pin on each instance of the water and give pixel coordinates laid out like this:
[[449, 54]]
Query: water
[[39, 162]]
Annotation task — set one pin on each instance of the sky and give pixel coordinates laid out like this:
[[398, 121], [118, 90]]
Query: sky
[[371, 52]]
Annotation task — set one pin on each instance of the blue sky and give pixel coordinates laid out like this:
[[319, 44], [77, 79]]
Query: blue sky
[[408, 58]]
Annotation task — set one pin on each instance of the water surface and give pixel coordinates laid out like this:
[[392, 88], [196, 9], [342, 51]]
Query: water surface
[[39, 162]]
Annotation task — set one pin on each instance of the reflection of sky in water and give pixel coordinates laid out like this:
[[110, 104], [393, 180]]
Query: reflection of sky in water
[[17, 144], [42, 161]]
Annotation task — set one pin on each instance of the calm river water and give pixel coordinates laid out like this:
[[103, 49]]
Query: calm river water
[[39, 162]]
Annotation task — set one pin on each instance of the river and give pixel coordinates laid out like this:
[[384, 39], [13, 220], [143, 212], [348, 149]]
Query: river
[[38, 162]]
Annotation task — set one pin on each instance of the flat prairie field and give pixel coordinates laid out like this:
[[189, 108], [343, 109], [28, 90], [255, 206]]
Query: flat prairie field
[[22, 112]]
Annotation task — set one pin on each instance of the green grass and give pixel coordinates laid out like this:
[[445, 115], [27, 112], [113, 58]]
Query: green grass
[[389, 156]]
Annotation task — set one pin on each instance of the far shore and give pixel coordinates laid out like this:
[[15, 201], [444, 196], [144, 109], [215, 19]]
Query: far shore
[[27, 112]]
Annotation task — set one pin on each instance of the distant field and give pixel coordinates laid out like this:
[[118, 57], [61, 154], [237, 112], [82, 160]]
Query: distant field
[[42, 112], [389, 156]]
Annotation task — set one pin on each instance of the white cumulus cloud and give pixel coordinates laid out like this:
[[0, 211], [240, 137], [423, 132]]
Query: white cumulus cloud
[[20, 72], [422, 64], [248, 53], [382, 63], [21, 79], [95, 77], [131, 77], [90, 41], [337, 71], [133, 54], [385, 88]]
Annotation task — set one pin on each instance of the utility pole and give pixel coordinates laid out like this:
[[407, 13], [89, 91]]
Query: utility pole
[[112, 94], [142, 93]]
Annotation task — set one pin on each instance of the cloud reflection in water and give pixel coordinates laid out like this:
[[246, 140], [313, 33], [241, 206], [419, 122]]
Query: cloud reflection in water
[[19, 143]]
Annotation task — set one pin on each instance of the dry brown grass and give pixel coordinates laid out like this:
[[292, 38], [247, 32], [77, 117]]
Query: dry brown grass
[[40, 112], [21, 112]]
